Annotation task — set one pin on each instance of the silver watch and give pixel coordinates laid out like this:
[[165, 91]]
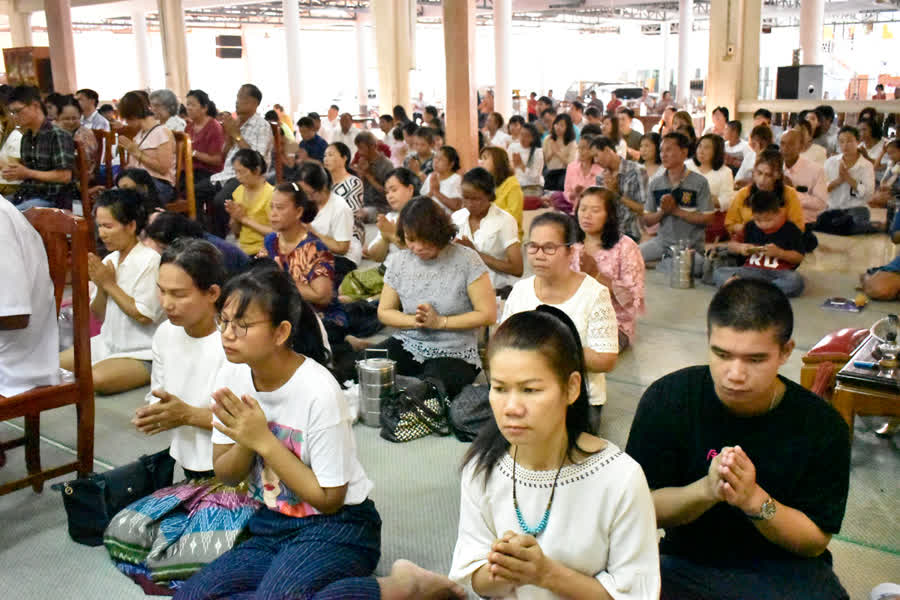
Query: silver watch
[[766, 512]]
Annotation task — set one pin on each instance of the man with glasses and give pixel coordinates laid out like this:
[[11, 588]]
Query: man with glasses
[[47, 156], [679, 202]]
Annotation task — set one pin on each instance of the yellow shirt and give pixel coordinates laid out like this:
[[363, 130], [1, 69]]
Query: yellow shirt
[[509, 197], [739, 212], [251, 241]]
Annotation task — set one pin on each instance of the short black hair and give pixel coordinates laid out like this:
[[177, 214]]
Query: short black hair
[[624, 110], [723, 110], [335, 107], [751, 305], [199, 259], [306, 122], [591, 129], [410, 128], [452, 156], [548, 111], [762, 202], [106, 108], [578, 105], [89, 93], [826, 112], [736, 125], [250, 159], [682, 140], [851, 130], [481, 179], [764, 113], [601, 142], [762, 132], [169, 226], [592, 112], [253, 91], [426, 133], [386, 117], [423, 220], [26, 94], [545, 100]]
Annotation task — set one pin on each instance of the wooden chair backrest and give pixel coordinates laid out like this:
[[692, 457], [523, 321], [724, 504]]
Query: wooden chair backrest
[[84, 180], [67, 239], [106, 141], [130, 133], [184, 164], [279, 148]]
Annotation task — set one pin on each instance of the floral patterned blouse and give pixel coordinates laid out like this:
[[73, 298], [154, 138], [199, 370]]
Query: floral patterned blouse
[[310, 260], [624, 265]]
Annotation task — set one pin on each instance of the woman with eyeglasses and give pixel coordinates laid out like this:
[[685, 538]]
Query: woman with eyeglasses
[[585, 300]]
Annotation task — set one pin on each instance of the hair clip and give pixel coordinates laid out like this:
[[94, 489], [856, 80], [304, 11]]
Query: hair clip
[[295, 186]]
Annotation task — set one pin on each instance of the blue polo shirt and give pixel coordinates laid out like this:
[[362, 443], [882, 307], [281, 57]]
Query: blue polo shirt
[[315, 147]]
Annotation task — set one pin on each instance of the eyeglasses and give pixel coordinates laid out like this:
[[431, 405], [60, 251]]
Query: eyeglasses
[[238, 329], [549, 248]]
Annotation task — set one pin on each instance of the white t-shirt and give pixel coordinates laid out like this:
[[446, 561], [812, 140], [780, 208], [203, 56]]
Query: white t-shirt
[[602, 523], [842, 196], [29, 357], [450, 187], [335, 220], [816, 154], [121, 336], [721, 183], [12, 148], [497, 231], [742, 148], [530, 175], [192, 381], [590, 308], [501, 139], [310, 416], [746, 169]]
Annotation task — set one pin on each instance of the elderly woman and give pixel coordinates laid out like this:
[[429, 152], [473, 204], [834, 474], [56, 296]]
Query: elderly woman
[[153, 146], [437, 294], [489, 230], [164, 105], [207, 135]]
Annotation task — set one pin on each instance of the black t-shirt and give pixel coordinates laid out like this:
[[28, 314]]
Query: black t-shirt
[[801, 451], [788, 237]]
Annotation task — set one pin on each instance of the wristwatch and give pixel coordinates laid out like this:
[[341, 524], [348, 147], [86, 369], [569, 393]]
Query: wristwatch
[[766, 512]]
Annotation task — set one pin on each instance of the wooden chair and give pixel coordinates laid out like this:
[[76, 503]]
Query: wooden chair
[[66, 238], [276, 154], [84, 180], [106, 141], [185, 201]]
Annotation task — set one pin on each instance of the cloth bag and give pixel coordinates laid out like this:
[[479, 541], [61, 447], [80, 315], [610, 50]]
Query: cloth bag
[[415, 410], [363, 283], [469, 411], [91, 502]]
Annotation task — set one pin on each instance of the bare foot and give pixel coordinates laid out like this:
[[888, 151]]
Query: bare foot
[[409, 581], [356, 343]]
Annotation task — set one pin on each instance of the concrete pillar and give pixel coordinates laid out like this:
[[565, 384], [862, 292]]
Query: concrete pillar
[[20, 28], [291, 10], [685, 25], [733, 54], [142, 48], [459, 53], [502, 33], [812, 21], [362, 90], [392, 25], [62, 50], [174, 42]]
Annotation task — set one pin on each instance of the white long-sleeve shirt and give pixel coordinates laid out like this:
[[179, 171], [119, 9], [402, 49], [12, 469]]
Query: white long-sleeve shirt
[[531, 175], [843, 197]]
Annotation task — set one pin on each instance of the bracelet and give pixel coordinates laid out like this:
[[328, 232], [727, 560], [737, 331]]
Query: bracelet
[[446, 320]]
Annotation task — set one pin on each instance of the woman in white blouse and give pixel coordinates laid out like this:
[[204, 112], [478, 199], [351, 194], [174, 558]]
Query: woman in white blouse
[[559, 150], [548, 510], [527, 160], [334, 220], [709, 161], [586, 301], [488, 229], [443, 185], [125, 298]]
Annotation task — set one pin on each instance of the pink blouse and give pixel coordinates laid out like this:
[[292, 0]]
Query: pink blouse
[[576, 177], [624, 265]]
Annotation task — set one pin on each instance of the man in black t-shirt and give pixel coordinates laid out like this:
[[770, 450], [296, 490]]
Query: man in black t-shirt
[[749, 471]]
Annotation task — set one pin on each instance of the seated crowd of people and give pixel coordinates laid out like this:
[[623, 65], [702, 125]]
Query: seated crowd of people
[[262, 291]]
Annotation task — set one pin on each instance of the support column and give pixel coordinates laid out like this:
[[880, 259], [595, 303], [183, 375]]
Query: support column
[[362, 90], [664, 74], [459, 53], [685, 25], [812, 21], [392, 25], [734, 29], [174, 42], [62, 50], [502, 32], [291, 11], [142, 48], [20, 28]]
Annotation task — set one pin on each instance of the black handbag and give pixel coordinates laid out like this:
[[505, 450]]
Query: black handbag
[[91, 502], [417, 409]]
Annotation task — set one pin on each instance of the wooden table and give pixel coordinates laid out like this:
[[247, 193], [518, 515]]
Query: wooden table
[[856, 399]]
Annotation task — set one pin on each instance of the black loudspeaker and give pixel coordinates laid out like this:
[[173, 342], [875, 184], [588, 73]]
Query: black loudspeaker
[[229, 52], [799, 83], [228, 40]]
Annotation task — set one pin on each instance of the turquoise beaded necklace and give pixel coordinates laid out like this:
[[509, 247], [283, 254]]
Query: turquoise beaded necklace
[[535, 531]]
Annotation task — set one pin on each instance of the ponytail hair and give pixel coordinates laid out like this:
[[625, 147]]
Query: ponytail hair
[[266, 284], [125, 206], [198, 258], [551, 332], [301, 200]]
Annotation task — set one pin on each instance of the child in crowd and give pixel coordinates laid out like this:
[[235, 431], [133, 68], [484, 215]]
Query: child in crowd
[[774, 245], [581, 524], [249, 204], [399, 147], [169, 535], [124, 297], [282, 423], [422, 162]]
